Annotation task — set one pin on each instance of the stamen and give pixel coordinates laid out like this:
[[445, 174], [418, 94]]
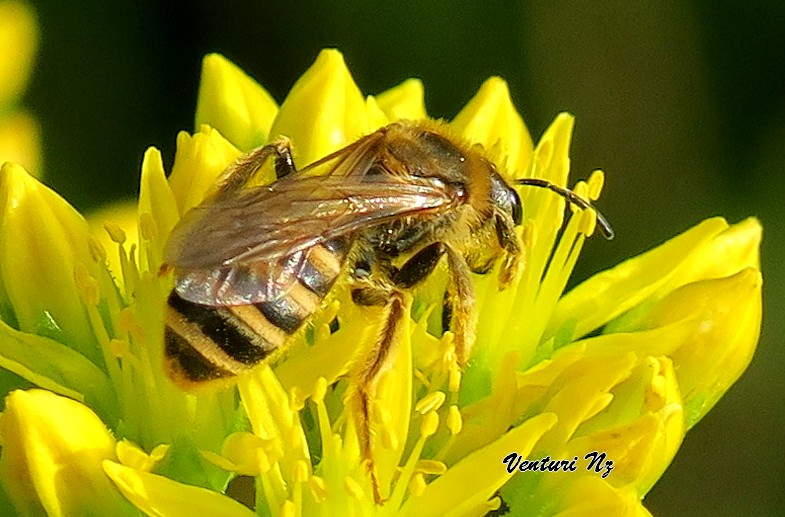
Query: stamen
[[430, 423], [596, 183], [300, 471], [115, 232], [288, 509], [454, 420], [318, 488], [97, 250], [454, 383], [353, 488], [87, 285], [431, 402], [431, 467], [417, 484]]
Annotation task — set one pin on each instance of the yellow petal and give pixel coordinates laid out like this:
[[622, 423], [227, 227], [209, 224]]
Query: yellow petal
[[615, 291], [490, 118], [157, 201], [466, 487], [331, 351], [641, 430], [199, 161], [51, 459], [161, 497], [272, 417], [590, 496], [324, 111], [724, 316], [405, 101], [56, 367], [233, 103], [42, 239]]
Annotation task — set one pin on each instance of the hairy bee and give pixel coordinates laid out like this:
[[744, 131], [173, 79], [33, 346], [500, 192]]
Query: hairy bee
[[252, 264]]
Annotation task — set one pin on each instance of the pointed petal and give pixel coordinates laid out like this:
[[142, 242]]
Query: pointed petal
[[590, 496], [324, 111], [233, 103], [49, 443], [42, 239], [615, 291], [722, 319], [159, 496], [490, 118], [157, 200], [56, 367], [199, 161], [405, 101], [477, 476]]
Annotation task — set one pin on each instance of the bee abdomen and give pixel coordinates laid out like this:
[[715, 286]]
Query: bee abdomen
[[206, 342]]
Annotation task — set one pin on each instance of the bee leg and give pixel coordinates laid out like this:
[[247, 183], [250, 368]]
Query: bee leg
[[367, 373], [508, 240], [419, 267], [242, 170], [459, 298]]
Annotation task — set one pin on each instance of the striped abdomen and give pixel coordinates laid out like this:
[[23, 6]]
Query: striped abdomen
[[210, 342]]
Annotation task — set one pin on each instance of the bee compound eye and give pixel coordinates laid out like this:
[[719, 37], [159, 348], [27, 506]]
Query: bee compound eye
[[517, 208]]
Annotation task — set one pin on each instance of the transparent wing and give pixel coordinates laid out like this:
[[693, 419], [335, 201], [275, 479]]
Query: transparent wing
[[241, 284], [273, 222], [248, 245]]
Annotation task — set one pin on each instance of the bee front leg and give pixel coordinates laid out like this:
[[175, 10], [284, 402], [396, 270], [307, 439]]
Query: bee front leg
[[459, 305], [514, 252], [243, 169]]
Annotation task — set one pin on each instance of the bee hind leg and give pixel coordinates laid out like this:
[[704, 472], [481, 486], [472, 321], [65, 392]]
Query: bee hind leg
[[390, 295], [366, 374], [239, 173]]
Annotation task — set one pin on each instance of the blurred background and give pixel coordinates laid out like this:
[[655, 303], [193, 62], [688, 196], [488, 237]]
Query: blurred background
[[681, 103]]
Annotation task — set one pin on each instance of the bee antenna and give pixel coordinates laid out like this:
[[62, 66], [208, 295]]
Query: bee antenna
[[572, 197]]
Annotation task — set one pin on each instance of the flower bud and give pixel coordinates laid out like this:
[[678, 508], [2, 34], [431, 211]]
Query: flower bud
[[490, 118], [51, 459], [324, 111], [42, 238], [233, 103]]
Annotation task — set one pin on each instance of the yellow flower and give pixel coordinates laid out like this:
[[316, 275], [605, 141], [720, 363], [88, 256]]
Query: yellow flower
[[571, 404]]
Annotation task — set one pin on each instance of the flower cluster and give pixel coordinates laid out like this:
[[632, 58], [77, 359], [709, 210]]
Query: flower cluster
[[622, 365]]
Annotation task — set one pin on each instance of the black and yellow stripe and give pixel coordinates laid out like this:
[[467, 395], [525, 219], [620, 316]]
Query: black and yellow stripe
[[205, 343]]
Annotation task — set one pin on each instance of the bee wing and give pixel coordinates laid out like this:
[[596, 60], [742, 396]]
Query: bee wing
[[249, 247], [233, 223], [241, 284], [269, 223]]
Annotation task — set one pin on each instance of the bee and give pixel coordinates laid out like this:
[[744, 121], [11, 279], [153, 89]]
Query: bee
[[253, 264]]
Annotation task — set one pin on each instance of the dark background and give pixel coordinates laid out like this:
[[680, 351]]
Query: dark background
[[681, 103]]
